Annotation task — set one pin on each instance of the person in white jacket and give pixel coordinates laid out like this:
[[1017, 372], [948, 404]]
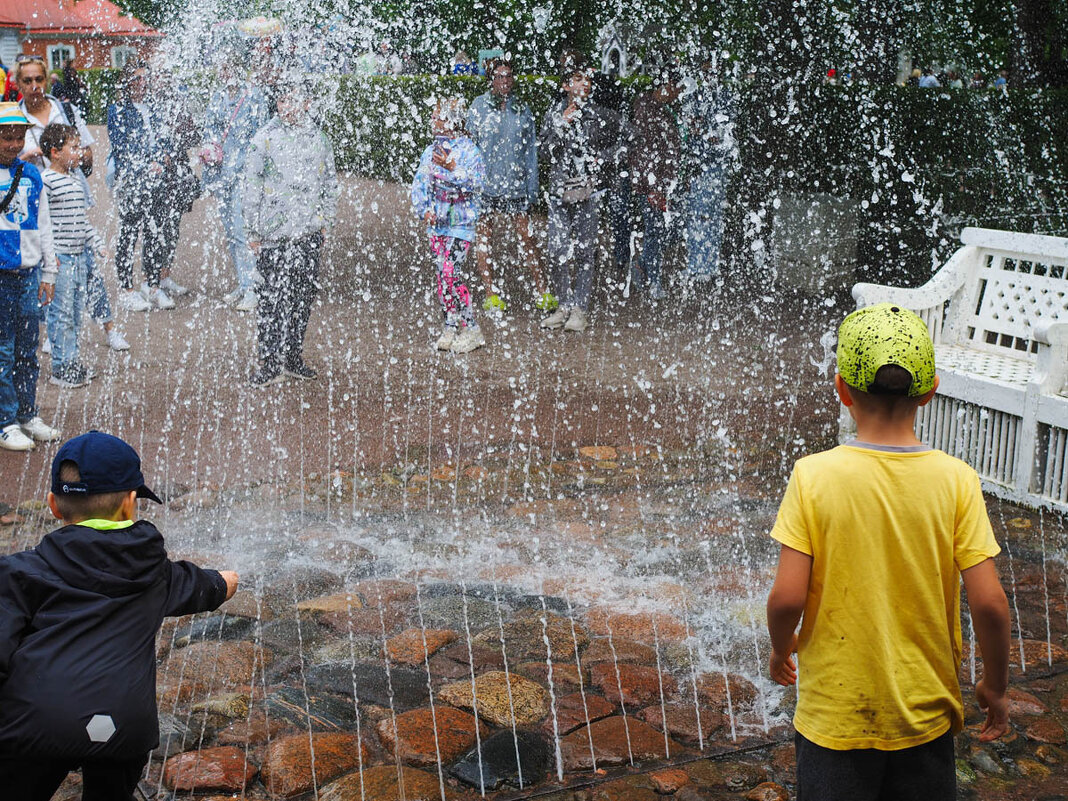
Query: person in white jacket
[[289, 197]]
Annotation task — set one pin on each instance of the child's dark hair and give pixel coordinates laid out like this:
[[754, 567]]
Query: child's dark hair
[[573, 62], [86, 507], [891, 380], [889, 392], [55, 137]]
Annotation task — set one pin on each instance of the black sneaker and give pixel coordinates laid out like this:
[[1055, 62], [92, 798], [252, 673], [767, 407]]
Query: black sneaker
[[90, 373], [263, 378], [69, 377], [302, 371]]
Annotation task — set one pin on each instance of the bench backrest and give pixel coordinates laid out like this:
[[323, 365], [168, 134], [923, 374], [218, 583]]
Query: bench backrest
[[1019, 280]]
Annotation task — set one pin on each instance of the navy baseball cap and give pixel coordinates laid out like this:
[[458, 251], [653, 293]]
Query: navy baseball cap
[[106, 464]]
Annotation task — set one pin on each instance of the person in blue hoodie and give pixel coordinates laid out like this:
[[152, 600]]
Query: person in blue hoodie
[[79, 616], [446, 193]]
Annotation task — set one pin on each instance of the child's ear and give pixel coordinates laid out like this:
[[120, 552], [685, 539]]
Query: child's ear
[[842, 389], [925, 399], [128, 509], [52, 505]]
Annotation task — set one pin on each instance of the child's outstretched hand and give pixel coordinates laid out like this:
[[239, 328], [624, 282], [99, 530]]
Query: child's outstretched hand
[[783, 667], [996, 707], [231, 578]]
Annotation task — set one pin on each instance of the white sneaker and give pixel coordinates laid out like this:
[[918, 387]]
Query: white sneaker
[[468, 340], [447, 337], [160, 299], [171, 286], [248, 301], [37, 429], [46, 345], [116, 341], [133, 301], [656, 291], [557, 318], [12, 439], [577, 321], [232, 297]]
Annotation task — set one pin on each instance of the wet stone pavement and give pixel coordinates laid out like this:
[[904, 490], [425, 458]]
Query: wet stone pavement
[[535, 571], [375, 654]]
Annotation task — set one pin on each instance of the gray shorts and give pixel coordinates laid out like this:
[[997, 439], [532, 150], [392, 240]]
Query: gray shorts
[[504, 205]]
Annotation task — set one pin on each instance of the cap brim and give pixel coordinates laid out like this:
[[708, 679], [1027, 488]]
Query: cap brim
[[145, 492]]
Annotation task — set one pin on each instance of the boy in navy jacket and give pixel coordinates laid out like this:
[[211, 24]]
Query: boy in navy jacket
[[78, 621]]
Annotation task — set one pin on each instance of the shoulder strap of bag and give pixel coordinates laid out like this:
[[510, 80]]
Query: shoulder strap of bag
[[68, 111], [13, 189], [237, 110]]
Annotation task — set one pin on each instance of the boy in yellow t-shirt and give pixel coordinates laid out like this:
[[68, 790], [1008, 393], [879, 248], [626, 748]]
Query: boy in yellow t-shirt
[[876, 535]]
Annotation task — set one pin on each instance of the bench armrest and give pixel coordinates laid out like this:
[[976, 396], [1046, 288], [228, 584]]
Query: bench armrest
[[943, 284], [1051, 333], [1051, 363]]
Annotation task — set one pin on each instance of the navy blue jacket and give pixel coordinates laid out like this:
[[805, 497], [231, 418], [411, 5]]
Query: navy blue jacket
[[78, 621], [133, 146]]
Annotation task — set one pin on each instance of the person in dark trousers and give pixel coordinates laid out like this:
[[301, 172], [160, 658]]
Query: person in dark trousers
[[150, 135], [289, 200], [608, 91], [577, 138], [655, 158], [79, 616]]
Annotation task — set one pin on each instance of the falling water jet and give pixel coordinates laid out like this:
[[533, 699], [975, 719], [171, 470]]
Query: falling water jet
[[1012, 585], [304, 681], [619, 688], [552, 689], [392, 703], [693, 673], [430, 690], [356, 703], [581, 681], [660, 687], [727, 693], [507, 682], [1045, 590], [474, 689]]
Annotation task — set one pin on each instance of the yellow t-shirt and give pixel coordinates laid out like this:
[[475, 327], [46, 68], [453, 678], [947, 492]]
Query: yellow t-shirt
[[879, 647]]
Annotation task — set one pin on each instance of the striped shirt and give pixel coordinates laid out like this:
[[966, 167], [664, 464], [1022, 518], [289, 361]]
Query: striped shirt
[[71, 231]]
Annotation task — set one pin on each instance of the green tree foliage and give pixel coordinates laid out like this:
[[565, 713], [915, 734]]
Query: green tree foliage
[[786, 40]]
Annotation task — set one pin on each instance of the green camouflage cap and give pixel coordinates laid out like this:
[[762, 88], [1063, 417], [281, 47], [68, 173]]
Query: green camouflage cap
[[876, 336]]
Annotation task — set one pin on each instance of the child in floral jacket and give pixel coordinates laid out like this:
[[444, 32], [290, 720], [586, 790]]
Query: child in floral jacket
[[446, 193]]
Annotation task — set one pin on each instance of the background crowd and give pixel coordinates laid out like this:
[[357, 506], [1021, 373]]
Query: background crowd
[[649, 173]]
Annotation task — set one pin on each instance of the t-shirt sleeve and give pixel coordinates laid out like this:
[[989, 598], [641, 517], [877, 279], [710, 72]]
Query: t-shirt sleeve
[[973, 541], [790, 527]]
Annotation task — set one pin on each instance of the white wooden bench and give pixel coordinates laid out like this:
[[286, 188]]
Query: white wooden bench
[[998, 314]]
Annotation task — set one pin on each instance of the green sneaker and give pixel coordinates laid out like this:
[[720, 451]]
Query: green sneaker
[[547, 302], [494, 302]]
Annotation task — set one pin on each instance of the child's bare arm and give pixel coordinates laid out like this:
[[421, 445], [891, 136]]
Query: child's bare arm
[[990, 617], [786, 603]]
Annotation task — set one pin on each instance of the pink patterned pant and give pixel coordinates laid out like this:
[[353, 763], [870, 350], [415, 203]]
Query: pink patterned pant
[[449, 254]]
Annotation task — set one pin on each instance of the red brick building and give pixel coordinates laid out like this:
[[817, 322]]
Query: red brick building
[[95, 33]]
